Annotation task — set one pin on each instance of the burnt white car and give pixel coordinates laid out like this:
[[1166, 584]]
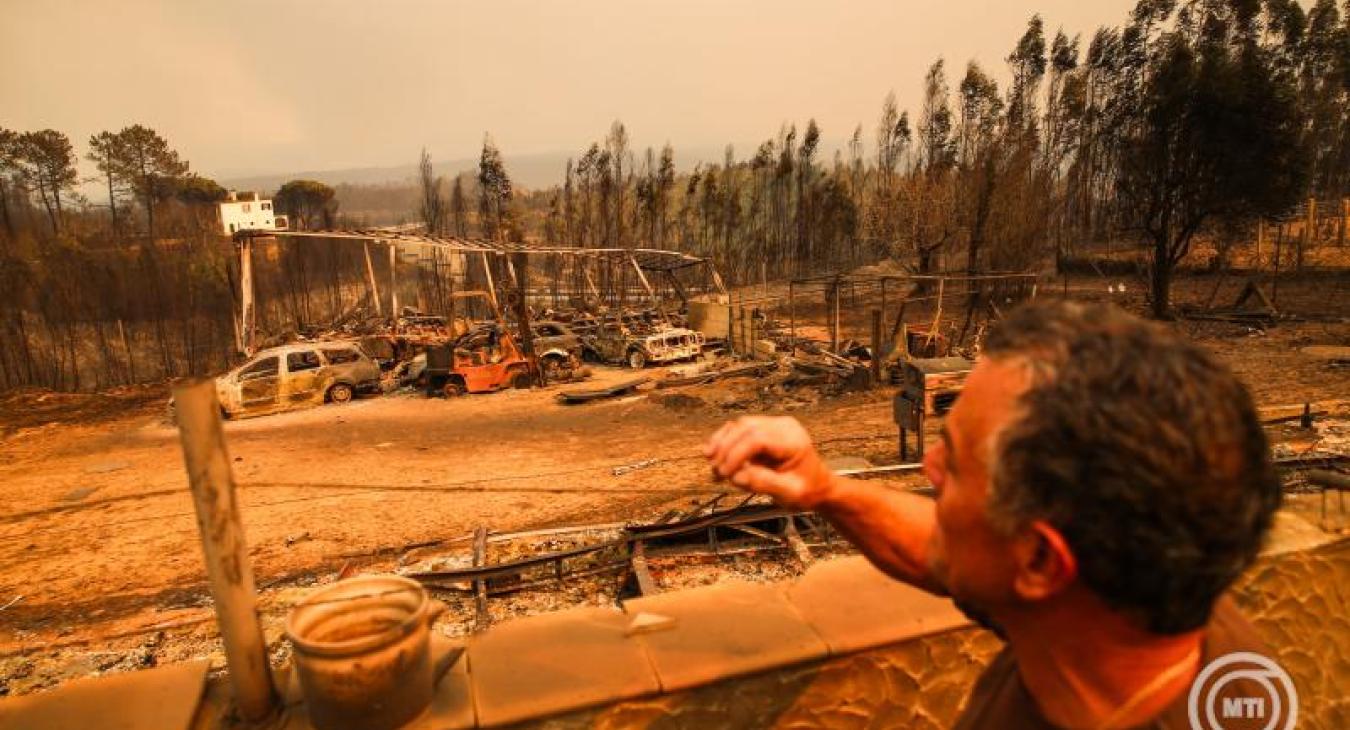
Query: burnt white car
[[295, 376], [618, 343]]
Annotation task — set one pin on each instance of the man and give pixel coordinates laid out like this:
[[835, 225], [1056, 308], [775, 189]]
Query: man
[[1100, 483]]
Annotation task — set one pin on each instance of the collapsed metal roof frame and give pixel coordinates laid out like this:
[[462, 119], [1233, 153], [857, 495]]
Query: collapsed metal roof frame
[[641, 259], [650, 259]]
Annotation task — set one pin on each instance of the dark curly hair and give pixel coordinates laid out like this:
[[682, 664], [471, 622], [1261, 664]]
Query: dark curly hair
[[1143, 450]]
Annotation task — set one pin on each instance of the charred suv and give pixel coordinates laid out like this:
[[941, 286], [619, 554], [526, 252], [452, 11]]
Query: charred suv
[[618, 343]]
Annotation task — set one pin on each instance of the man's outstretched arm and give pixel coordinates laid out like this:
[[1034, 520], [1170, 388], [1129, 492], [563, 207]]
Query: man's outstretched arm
[[774, 456]]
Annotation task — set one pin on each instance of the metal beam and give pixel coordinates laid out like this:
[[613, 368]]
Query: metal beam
[[370, 280], [646, 585]]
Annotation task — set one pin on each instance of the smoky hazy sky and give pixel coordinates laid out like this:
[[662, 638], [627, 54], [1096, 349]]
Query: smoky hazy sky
[[243, 87]]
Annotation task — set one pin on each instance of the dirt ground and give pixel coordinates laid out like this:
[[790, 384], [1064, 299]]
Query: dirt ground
[[100, 565]]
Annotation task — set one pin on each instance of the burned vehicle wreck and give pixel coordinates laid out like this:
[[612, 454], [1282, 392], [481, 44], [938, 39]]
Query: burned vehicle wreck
[[294, 376], [558, 348], [482, 360], [638, 345]]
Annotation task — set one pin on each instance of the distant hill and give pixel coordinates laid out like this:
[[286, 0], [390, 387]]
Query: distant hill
[[533, 172]]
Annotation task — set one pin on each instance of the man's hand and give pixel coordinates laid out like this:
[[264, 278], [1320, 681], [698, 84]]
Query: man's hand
[[772, 456]]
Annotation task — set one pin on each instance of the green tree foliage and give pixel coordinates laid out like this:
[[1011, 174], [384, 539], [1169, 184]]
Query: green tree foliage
[[199, 196], [195, 190], [1214, 135], [308, 204]]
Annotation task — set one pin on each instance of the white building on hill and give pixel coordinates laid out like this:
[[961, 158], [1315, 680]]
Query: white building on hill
[[247, 211]]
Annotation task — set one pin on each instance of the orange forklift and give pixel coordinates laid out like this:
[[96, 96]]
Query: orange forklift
[[483, 360]]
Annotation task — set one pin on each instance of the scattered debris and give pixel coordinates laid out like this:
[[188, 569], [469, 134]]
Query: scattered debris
[[748, 527], [1332, 354], [678, 401], [78, 495], [583, 396], [754, 370], [645, 623], [106, 467], [619, 471]]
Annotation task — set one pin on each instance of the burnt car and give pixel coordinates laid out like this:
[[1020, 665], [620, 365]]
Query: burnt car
[[637, 346], [559, 348], [295, 376]]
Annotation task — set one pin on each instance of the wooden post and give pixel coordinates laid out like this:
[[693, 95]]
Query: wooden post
[[370, 281], [754, 335], [393, 285], [482, 619], [743, 335], [876, 347], [1275, 282], [126, 348], [792, 316], [834, 315], [227, 566], [1309, 230], [491, 288], [642, 575], [1345, 221], [246, 306], [1312, 220], [1260, 241]]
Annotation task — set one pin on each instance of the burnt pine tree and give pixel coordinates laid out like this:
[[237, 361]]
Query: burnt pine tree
[[104, 152], [459, 213], [1213, 135], [433, 204], [494, 192], [9, 170], [47, 165]]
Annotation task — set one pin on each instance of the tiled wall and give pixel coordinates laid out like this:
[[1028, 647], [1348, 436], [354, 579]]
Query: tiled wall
[[841, 647], [1298, 601]]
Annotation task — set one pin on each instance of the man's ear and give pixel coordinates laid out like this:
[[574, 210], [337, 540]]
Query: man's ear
[[1045, 563]]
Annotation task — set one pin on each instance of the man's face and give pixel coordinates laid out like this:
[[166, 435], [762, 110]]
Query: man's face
[[971, 558]]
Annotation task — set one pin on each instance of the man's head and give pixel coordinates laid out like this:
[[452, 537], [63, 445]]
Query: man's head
[[1091, 449]]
